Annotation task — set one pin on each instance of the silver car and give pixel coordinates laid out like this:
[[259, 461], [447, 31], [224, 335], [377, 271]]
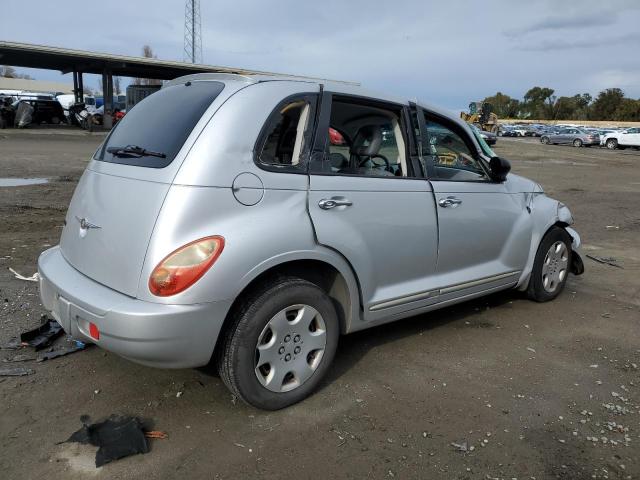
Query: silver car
[[571, 136], [249, 221]]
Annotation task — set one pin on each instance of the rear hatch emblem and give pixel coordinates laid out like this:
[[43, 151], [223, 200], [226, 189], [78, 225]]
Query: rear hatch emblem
[[85, 225]]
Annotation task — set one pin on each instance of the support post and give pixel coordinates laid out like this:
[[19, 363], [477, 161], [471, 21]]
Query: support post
[[107, 95], [75, 85], [80, 97]]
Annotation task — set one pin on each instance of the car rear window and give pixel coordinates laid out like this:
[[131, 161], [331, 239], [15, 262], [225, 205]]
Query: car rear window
[[160, 123]]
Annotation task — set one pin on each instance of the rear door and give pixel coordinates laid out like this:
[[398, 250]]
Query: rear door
[[484, 230], [367, 204]]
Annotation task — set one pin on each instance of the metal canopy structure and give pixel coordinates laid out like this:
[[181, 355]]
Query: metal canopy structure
[[67, 60], [79, 62]]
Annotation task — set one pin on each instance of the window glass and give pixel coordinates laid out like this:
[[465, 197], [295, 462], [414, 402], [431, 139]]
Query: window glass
[[284, 140], [160, 123], [451, 156], [364, 140]]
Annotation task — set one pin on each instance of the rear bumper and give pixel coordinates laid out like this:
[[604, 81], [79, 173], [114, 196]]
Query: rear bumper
[[153, 334]]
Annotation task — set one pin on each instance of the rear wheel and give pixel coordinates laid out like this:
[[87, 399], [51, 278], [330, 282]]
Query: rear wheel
[[612, 144], [280, 345], [551, 266], [577, 142]]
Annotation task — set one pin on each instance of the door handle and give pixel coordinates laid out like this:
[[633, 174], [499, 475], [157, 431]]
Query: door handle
[[329, 203], [452, 202]]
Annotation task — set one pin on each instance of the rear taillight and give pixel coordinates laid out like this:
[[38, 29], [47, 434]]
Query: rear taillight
[[184, 266]]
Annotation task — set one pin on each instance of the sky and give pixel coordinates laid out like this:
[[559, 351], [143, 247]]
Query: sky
[[447, 53]]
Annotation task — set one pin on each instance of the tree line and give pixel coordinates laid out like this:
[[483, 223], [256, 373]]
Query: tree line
[[540, 103]]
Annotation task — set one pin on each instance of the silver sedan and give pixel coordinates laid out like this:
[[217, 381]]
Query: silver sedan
[[571, 136]]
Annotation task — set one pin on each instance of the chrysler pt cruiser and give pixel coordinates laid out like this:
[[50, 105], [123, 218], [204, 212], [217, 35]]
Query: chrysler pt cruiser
[[248, 221]]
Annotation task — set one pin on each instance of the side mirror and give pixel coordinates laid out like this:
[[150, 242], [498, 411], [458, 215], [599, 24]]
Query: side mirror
[[499, 167]]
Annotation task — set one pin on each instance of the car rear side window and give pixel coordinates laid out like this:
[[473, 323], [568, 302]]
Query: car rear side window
[[159, 124], [285, 136]]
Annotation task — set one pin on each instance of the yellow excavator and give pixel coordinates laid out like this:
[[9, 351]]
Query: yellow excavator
[[481, 114]]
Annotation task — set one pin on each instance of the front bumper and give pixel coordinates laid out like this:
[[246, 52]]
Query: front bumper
[[577, 265], [153, 334]]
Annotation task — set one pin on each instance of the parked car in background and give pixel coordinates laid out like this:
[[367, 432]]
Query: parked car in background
[[520, 130], [489, 137], [41, 111], [622, 139], [258, 236], [571, 136]]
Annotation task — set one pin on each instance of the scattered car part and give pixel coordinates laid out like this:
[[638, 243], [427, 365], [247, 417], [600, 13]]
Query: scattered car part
[[15, 371], [42, 336], [117, 437]]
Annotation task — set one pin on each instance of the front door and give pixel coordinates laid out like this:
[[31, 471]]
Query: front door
[[366, 203], [484, 230]]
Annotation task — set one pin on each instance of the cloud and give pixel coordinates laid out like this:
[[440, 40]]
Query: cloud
[[406, 48], [579, 21], [564, 44]]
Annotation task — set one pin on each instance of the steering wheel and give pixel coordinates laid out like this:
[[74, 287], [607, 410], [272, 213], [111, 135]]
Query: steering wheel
[[386, 165]]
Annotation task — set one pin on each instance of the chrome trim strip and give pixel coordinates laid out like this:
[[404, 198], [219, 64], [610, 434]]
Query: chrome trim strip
[[402, 300], [480, 281], [414, 297]]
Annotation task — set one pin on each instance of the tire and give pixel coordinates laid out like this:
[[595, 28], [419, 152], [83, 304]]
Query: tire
[[577, 142], [612, 144], [544, 140], [264, 317], [547, 283], [55, 120]]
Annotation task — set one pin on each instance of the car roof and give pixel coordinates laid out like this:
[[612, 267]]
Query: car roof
[[335, 86]]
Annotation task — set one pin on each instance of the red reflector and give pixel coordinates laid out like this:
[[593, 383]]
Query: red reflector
[[94, 332]]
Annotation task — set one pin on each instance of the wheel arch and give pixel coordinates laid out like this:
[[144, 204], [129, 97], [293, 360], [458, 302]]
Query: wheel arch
[[331, 274]]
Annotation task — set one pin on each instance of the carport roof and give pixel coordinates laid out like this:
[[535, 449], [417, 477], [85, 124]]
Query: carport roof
[[67, 60]]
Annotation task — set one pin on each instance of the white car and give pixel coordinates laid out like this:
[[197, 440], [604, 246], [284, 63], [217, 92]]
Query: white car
[[625, 138]]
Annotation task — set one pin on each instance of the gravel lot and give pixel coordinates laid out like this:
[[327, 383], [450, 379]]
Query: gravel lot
[[528, 386]]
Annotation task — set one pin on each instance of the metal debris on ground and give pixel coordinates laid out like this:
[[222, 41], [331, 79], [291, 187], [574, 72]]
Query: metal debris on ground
[[42, 336], [15, 371], [33, 278], [462, 447], [605, 260], [117, 437], [156, 434], [77, 347], [19, 358]]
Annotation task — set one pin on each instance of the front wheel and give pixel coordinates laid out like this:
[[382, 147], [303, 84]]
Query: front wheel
[[545, 140], [551, 266], [280, 345], [612, 144]]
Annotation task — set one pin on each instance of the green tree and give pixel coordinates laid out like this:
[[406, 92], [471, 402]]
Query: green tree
[[539, 103], [606, 104], [628, 110], [504, 106]]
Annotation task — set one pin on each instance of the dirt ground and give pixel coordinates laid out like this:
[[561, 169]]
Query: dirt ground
[[528, 386]]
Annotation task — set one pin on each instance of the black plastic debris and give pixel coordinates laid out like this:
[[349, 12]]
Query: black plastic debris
[[77, 346], [42, 336], [15, 371], [117, 436], [20, 357]]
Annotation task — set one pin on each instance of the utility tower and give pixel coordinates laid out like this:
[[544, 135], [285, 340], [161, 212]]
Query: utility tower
[[192, 36]]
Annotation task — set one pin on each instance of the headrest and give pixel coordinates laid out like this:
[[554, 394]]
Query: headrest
[[367, 141]]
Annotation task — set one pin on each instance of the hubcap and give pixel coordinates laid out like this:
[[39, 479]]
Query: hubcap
[[290, 348], [554, 268]]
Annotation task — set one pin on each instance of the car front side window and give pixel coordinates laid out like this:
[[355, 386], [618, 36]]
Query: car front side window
[[452, 157]]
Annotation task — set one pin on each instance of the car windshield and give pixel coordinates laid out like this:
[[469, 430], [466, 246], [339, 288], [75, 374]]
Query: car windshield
[[153, 132]]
